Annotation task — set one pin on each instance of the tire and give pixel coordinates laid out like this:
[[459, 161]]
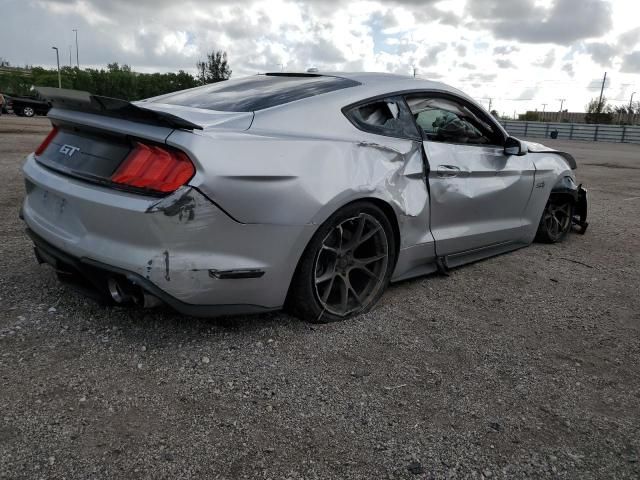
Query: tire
[[556, 220], [28, 112], [352, 253]]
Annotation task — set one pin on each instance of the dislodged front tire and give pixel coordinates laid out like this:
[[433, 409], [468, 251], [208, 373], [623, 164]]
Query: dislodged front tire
[[555, 223], [346, 266]]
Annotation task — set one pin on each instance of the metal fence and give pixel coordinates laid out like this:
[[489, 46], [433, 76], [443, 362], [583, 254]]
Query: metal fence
[[574, 131]]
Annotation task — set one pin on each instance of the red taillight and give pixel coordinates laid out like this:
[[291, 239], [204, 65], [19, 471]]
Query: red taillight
[[154, 168], [45, 143]]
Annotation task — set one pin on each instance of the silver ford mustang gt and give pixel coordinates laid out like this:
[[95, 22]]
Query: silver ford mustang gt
[[310, 191]]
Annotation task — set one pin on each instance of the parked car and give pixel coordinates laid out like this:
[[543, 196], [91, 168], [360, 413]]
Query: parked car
[[29, 106], [305, 191]]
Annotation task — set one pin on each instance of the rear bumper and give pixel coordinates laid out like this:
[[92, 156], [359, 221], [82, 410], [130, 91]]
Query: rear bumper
[[174, 249], [96, 275]]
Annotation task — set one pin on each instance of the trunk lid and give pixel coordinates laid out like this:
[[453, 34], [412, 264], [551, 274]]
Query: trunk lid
[[96, 134]]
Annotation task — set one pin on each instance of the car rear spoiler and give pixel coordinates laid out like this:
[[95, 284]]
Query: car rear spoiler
[[81, 101]]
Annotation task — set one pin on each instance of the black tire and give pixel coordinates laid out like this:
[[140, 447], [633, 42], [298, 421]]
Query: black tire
[[339, 251], [556, 219], [28, 111]]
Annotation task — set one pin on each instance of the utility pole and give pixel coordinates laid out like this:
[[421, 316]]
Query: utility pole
[[490, 101], [562, 100], [601, 92], [58, 61], [77, 54], [70, 55], [631, 115], [414, 72]]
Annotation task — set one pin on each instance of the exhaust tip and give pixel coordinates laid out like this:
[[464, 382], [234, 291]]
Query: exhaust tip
[[116, 291]]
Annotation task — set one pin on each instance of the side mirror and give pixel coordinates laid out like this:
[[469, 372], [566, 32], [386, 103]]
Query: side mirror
[[513, 146]]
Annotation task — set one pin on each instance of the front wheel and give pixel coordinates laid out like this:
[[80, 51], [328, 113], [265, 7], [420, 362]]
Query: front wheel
[[28, 112], [346, 266], [556, 220]]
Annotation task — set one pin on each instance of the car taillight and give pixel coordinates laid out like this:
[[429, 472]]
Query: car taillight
[[154, 168], [45, 143]]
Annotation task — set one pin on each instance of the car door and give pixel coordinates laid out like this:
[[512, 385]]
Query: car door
[[478, 193]]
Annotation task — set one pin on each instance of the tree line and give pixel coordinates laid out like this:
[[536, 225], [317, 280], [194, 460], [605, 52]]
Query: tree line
[[118, 81]]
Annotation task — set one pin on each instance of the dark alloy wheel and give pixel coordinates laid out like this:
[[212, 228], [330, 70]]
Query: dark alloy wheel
[[555, 223], [346, 266]]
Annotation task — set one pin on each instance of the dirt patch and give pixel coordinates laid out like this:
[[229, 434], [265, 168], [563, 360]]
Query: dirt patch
[[526, 365]]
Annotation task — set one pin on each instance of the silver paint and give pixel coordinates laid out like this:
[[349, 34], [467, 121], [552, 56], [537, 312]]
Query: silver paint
[[266, 180]]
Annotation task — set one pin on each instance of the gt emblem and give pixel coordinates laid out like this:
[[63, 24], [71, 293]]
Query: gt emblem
[[68, 150]]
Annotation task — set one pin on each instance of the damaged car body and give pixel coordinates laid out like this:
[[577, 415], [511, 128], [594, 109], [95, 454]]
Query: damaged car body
[[306, 191]]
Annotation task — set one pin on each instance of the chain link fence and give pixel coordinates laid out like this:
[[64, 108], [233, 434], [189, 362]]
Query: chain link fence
[[574, 131]]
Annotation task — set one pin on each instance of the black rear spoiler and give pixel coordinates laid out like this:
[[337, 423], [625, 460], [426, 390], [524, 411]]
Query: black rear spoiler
[[112, 107]]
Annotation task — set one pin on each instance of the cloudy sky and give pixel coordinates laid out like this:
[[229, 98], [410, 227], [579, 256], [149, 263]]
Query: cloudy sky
[[520, 53]]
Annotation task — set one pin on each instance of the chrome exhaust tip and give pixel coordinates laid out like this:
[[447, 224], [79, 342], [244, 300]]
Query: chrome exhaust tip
[[117, 292]]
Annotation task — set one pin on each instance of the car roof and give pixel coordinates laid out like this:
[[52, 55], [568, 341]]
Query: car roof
[[375, 80]]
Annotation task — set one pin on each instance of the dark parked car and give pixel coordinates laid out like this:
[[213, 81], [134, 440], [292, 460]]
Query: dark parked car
[[28, 106]]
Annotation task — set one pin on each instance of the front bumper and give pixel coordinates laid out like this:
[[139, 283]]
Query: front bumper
[[174, 249]]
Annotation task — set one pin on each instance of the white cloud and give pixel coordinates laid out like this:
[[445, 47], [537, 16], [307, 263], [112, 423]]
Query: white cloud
[[481, 46]]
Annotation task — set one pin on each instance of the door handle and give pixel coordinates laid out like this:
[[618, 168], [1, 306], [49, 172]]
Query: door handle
[[447, 171]]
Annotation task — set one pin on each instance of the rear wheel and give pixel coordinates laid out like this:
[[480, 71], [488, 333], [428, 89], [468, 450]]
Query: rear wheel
[[555, 223], [346, 265]]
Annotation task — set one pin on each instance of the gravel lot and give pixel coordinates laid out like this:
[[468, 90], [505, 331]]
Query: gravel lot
[[526, 365]]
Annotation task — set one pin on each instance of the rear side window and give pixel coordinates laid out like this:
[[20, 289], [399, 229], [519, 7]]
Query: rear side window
[[255, 93], [388, 116]]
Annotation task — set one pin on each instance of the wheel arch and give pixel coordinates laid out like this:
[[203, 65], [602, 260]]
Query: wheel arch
[[383, 205], [565, 187]]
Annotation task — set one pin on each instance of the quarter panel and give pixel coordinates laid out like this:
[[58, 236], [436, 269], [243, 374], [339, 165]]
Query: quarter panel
[[270, 178]]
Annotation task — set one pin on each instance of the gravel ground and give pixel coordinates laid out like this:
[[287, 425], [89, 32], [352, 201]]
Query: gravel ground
[[526, 365]]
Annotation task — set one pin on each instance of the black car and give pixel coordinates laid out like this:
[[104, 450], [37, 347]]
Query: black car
[[28, 106]]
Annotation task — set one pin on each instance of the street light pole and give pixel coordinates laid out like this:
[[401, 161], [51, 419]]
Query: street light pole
[[58, 62], [630, 107], [77, 54]]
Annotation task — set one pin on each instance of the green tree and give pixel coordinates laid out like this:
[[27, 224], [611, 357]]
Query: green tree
[[118, 81], [214, 69], [598, 111], [529, 116]]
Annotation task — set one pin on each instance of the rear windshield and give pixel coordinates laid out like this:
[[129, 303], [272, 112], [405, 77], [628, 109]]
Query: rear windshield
[[255, 93]]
